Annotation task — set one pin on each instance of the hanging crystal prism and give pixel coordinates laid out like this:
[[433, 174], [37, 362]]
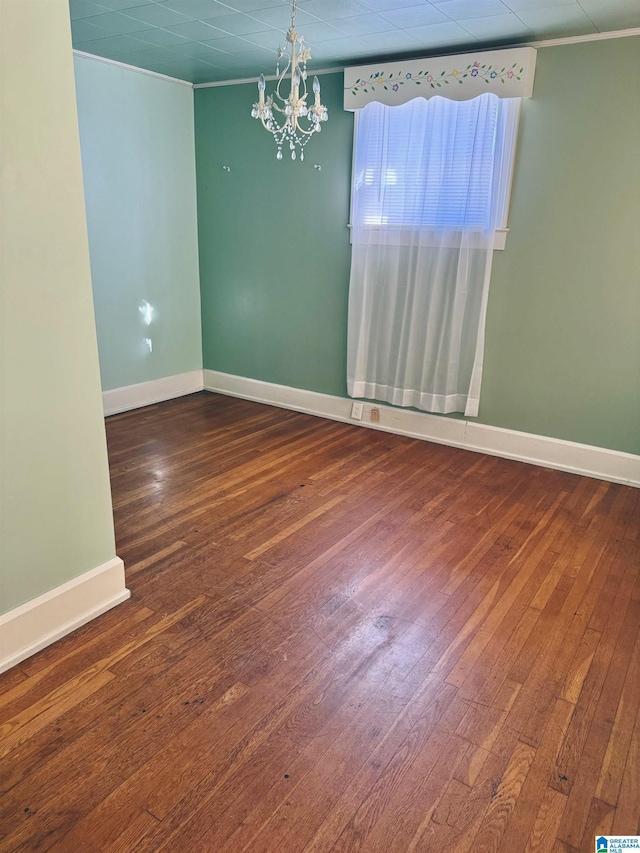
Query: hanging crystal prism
[[300, 120]]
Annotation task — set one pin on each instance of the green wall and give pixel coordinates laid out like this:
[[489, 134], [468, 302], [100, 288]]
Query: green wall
[[55, 502], [274, 243], [136, 133], [563, 329]]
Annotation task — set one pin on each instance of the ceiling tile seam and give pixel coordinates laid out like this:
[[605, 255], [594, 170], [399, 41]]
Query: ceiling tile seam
[[477, 38], [441, 7], [461, 23], [589, 16]]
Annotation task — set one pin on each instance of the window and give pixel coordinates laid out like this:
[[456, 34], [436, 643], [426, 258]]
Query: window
[[431, 182], [434, 165]]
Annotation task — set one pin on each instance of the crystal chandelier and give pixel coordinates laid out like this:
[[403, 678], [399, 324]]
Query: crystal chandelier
[[293, 108]]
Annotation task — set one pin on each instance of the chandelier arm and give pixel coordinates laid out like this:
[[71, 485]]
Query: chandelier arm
[[305, 132], [292, 108], [283, 75]]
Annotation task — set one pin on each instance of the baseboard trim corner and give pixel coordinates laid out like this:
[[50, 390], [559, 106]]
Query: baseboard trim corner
[[155, 391], [586, 460], [31, 627]]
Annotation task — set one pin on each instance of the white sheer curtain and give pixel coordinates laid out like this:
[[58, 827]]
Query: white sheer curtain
[[430, 186]]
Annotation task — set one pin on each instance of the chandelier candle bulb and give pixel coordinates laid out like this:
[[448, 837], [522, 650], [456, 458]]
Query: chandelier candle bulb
[[299, 120]]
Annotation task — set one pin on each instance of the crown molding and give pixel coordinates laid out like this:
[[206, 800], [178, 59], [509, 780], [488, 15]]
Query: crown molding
[[135, 68], [613, 34]]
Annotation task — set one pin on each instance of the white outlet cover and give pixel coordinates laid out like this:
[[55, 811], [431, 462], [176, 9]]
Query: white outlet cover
[[357, 410]]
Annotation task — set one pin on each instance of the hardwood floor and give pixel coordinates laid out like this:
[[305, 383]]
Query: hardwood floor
[[338, 640]]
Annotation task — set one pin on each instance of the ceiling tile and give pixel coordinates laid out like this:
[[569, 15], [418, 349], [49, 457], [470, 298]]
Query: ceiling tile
[[339, 49], [160, 37], [498, 27], [614, 15], [116, 44], [196, 50], [384, 5], [148, 54], [359, 54], [82, 31], [232, 44], [189, 66], [117, 24], [443, 35], [261, 58], [414, 16], [312, 33], [139, 60], [217, 34], [280, 17], [239, 24], [193, 70], [387, 42], [252, 5], [157, 16], [525, 5], [198, 31], [558, 21], [328, 10], [459, 10], [127, 59], [321, 32], [212, 76], [196, 9], [119, 5], [364, 24], [84, 9], [270, 40]]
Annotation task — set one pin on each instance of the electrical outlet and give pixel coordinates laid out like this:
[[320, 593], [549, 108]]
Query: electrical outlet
[[356, 411]]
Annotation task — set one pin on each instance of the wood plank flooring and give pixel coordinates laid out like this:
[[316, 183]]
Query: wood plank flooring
[[338, 640]]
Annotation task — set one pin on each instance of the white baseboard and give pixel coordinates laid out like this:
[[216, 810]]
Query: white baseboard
[[147, 393], [584, 459], [31, 627]]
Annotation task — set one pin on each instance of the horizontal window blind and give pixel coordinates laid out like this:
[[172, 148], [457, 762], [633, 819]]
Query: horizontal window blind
[[434, 164]]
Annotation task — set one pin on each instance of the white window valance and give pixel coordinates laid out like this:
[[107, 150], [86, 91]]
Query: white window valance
[[506, 73]]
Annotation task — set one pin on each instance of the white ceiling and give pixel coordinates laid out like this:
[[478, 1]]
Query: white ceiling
[[209, 40]]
